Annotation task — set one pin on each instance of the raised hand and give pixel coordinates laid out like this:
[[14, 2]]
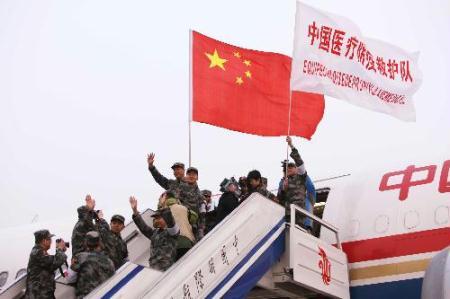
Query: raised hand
[[150, 159], [289, 141], [133, 204], [90, 202]]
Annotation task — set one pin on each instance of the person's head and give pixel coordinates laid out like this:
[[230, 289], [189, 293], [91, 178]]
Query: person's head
[[191, 175], [229, 185], [158, 220], [44, 238], [83, 212], [117, 223], [232, 187], [254, 179], [264, 182], [93, 240], [243, 183], [207, 195], [290, 167], [162, 200], [178, 170]]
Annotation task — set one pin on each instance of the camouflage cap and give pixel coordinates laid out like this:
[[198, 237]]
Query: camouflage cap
[[157, 213], [177, 164], [42, 234], [192, 169], [118, 217], [92, 238]]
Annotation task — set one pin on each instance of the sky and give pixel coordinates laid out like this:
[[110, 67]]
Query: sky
[[88, 88]]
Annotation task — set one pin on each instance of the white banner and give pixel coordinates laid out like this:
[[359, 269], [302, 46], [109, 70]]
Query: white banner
[[333, 58]]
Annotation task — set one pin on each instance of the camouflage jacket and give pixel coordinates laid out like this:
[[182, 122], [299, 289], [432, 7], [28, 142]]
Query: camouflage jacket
[[165, 183], [163, 250], [93, 269], [41, 273], [115, 246], [190, 197], [295, 192], [82, 227]]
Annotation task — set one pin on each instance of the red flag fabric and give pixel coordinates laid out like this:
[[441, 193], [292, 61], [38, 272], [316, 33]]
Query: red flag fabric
[[248, 91]]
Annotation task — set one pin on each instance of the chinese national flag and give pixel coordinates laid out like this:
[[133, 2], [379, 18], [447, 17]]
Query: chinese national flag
[[248, 91]]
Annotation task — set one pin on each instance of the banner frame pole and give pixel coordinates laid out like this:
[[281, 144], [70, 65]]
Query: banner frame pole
[[289, 130]]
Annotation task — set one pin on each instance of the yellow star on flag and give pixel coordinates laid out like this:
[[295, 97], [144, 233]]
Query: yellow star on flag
[[239, 80], [247, 62], [248, 74], [215, 60], [237, 54]]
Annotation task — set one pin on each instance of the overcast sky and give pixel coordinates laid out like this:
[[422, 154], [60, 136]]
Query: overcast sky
[[88, 88]]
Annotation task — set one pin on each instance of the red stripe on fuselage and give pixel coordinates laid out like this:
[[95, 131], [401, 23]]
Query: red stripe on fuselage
[[397, 245]]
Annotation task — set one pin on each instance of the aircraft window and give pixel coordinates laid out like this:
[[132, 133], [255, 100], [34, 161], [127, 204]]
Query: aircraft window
[[3, 278], [381, 223], [322, 194], [411, 219], [21, 272], [321, 199], [441, 215]]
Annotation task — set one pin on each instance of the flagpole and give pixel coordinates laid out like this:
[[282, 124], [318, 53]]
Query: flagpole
[[190, 144], [190, 96]]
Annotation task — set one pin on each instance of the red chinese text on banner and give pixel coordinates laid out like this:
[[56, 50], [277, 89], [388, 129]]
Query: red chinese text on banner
[[332, 57]]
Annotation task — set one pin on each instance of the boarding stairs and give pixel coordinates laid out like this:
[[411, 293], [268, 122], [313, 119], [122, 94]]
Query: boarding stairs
[[252, 253]]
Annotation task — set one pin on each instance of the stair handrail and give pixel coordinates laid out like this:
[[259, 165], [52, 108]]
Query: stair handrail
[[294, 208]]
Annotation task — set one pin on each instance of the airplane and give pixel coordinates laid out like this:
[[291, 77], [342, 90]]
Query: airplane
[[392, 221]]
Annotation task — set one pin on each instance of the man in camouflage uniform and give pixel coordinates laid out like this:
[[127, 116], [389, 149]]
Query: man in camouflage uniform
[[184, 188], [191, 197], [41, 266], [86, 215], [93, 266], [254, 184], [115, 246], [165, 183], [292, 188], [163, 236]]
